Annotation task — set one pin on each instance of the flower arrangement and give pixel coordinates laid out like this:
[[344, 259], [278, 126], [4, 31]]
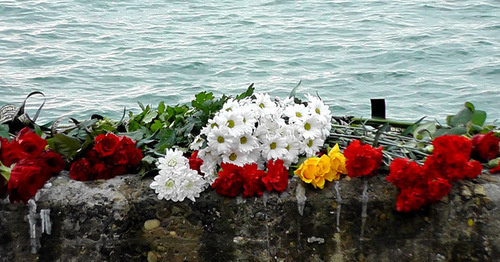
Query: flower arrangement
[[423, 184], [247, 145], [26, 165], [111, 156]]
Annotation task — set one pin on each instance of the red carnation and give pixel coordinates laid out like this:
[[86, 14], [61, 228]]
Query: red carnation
[[276, 177], [485, 146], [405, 173], [253, 184], [444, 145], [11, 152], [80, 170], [30, 142], [25, 180], [362, 160], [105, 145], [195, 162], [410, 199], [438, 188], [230, 180]]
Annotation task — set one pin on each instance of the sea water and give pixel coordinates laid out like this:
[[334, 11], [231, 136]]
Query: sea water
[[425, 57]]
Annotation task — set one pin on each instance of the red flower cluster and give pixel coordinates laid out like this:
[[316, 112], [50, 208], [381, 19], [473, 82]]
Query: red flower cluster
[[34, 165], [111, 156], [485, 146], [195, 162], [362, 160], [249, 180], [420, 185]]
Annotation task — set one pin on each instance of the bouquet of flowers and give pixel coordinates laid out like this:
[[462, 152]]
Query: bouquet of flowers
[[26, 165]]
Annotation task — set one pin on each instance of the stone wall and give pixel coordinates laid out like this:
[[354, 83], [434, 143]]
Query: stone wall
[[122, 220]]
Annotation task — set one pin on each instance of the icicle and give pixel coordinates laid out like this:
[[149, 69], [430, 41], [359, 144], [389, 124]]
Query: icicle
[[300, 193], [46, 224], [364, 202], [32, 219], [265, 197], [339, 203]]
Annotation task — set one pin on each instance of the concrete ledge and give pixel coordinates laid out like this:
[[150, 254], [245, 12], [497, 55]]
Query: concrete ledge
[[122, 220]]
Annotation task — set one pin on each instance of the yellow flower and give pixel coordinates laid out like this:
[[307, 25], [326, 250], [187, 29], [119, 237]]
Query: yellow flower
[[337, 165], [314, 169]]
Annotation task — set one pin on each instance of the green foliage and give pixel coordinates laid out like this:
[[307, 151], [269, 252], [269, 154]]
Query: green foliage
[[468, 121], [156, 129]]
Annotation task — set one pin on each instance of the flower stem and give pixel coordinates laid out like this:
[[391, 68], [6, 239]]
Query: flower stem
[[364, 204]]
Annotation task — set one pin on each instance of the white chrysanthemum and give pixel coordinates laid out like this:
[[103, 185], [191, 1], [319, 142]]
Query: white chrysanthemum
[[191, 184], [310, 127], [209, 166], [269, 127], [208, 128], [274, 147], [233, 121], [318, 108], [235, 157], [197, 143], [265, 105], [176, 185], [246, 143], [296, 113], [219, 140], [231, 105], [312, 146], [172, 160], [249, 114], [293, 150]]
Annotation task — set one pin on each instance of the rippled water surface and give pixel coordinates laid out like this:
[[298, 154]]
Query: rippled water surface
[[425, 57]]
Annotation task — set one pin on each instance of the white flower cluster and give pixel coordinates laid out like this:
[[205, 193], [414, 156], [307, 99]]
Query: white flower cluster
[[176, 180], [260, 129]]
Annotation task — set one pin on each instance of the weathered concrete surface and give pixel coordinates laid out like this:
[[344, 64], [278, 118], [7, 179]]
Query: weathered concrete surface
[[122, 220]]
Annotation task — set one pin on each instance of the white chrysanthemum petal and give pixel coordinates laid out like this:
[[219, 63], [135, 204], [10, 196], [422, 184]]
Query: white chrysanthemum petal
[[173, 159]]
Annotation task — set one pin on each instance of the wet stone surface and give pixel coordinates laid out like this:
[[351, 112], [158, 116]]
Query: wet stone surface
[[122, 220]]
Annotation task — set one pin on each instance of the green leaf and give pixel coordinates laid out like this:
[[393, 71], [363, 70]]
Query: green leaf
[[470, 106], [459, 130], [149, 117], [247, 93], [156, 125], [161, 107], [4, 131], [478, 117], [461, 118], [66, 145], [425, 131], [294, 90], [5, 172], [412, 127]]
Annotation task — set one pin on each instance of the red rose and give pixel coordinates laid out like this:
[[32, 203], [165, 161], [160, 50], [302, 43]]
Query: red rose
[[105, 145], [119, 157], [495, 169], [230, 180], [195, 162], [11, 152], [102, 170], [253, 184], [30, 142], [485, 146], [25, 180], [362, 160], [276, 177], [52, 162], [80, 170], [410, 199], [134, 154]]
